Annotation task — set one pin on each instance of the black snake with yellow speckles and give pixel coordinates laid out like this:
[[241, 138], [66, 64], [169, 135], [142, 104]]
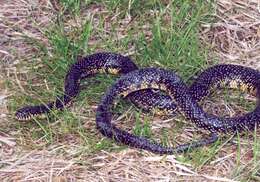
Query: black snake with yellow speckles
[[178, 93], [104, 62]]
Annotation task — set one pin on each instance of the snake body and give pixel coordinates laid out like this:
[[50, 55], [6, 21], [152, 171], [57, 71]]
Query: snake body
[[103, 62], [138, 84], [185, 98]]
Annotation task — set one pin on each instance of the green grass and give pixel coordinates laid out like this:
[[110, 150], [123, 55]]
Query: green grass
[[249, 170], [142, 128], [174, 44], [160, 35]]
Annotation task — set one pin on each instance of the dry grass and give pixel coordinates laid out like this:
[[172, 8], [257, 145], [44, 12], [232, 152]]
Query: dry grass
[[234, 38]]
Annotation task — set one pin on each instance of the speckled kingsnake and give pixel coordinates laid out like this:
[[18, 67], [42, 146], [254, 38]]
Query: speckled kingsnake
[[137, 85]]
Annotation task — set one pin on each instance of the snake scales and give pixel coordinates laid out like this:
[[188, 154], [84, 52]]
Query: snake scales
[[137, 84]]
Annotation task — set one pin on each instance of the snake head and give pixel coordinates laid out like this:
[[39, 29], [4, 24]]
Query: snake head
[[24, 114]]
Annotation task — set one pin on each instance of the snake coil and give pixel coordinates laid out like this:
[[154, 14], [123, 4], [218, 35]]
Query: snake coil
[[138, 84]]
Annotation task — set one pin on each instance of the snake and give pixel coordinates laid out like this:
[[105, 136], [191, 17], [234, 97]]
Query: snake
[[89, 66], [139, 84]]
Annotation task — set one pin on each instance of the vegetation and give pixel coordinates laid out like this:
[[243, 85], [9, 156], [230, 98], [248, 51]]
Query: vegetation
[[155, 33]]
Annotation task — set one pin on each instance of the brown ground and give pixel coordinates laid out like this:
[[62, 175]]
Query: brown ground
[[234, 38]]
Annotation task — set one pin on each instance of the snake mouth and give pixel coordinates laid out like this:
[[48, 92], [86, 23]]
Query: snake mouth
[[21, 116], [24, 118], [25, 113], [29, 112]]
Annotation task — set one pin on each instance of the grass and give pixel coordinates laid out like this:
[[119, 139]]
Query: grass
[[140, 130], [174, 45], [152, 33]]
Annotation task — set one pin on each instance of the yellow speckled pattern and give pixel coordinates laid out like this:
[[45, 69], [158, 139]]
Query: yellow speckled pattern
[[232, 76]]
